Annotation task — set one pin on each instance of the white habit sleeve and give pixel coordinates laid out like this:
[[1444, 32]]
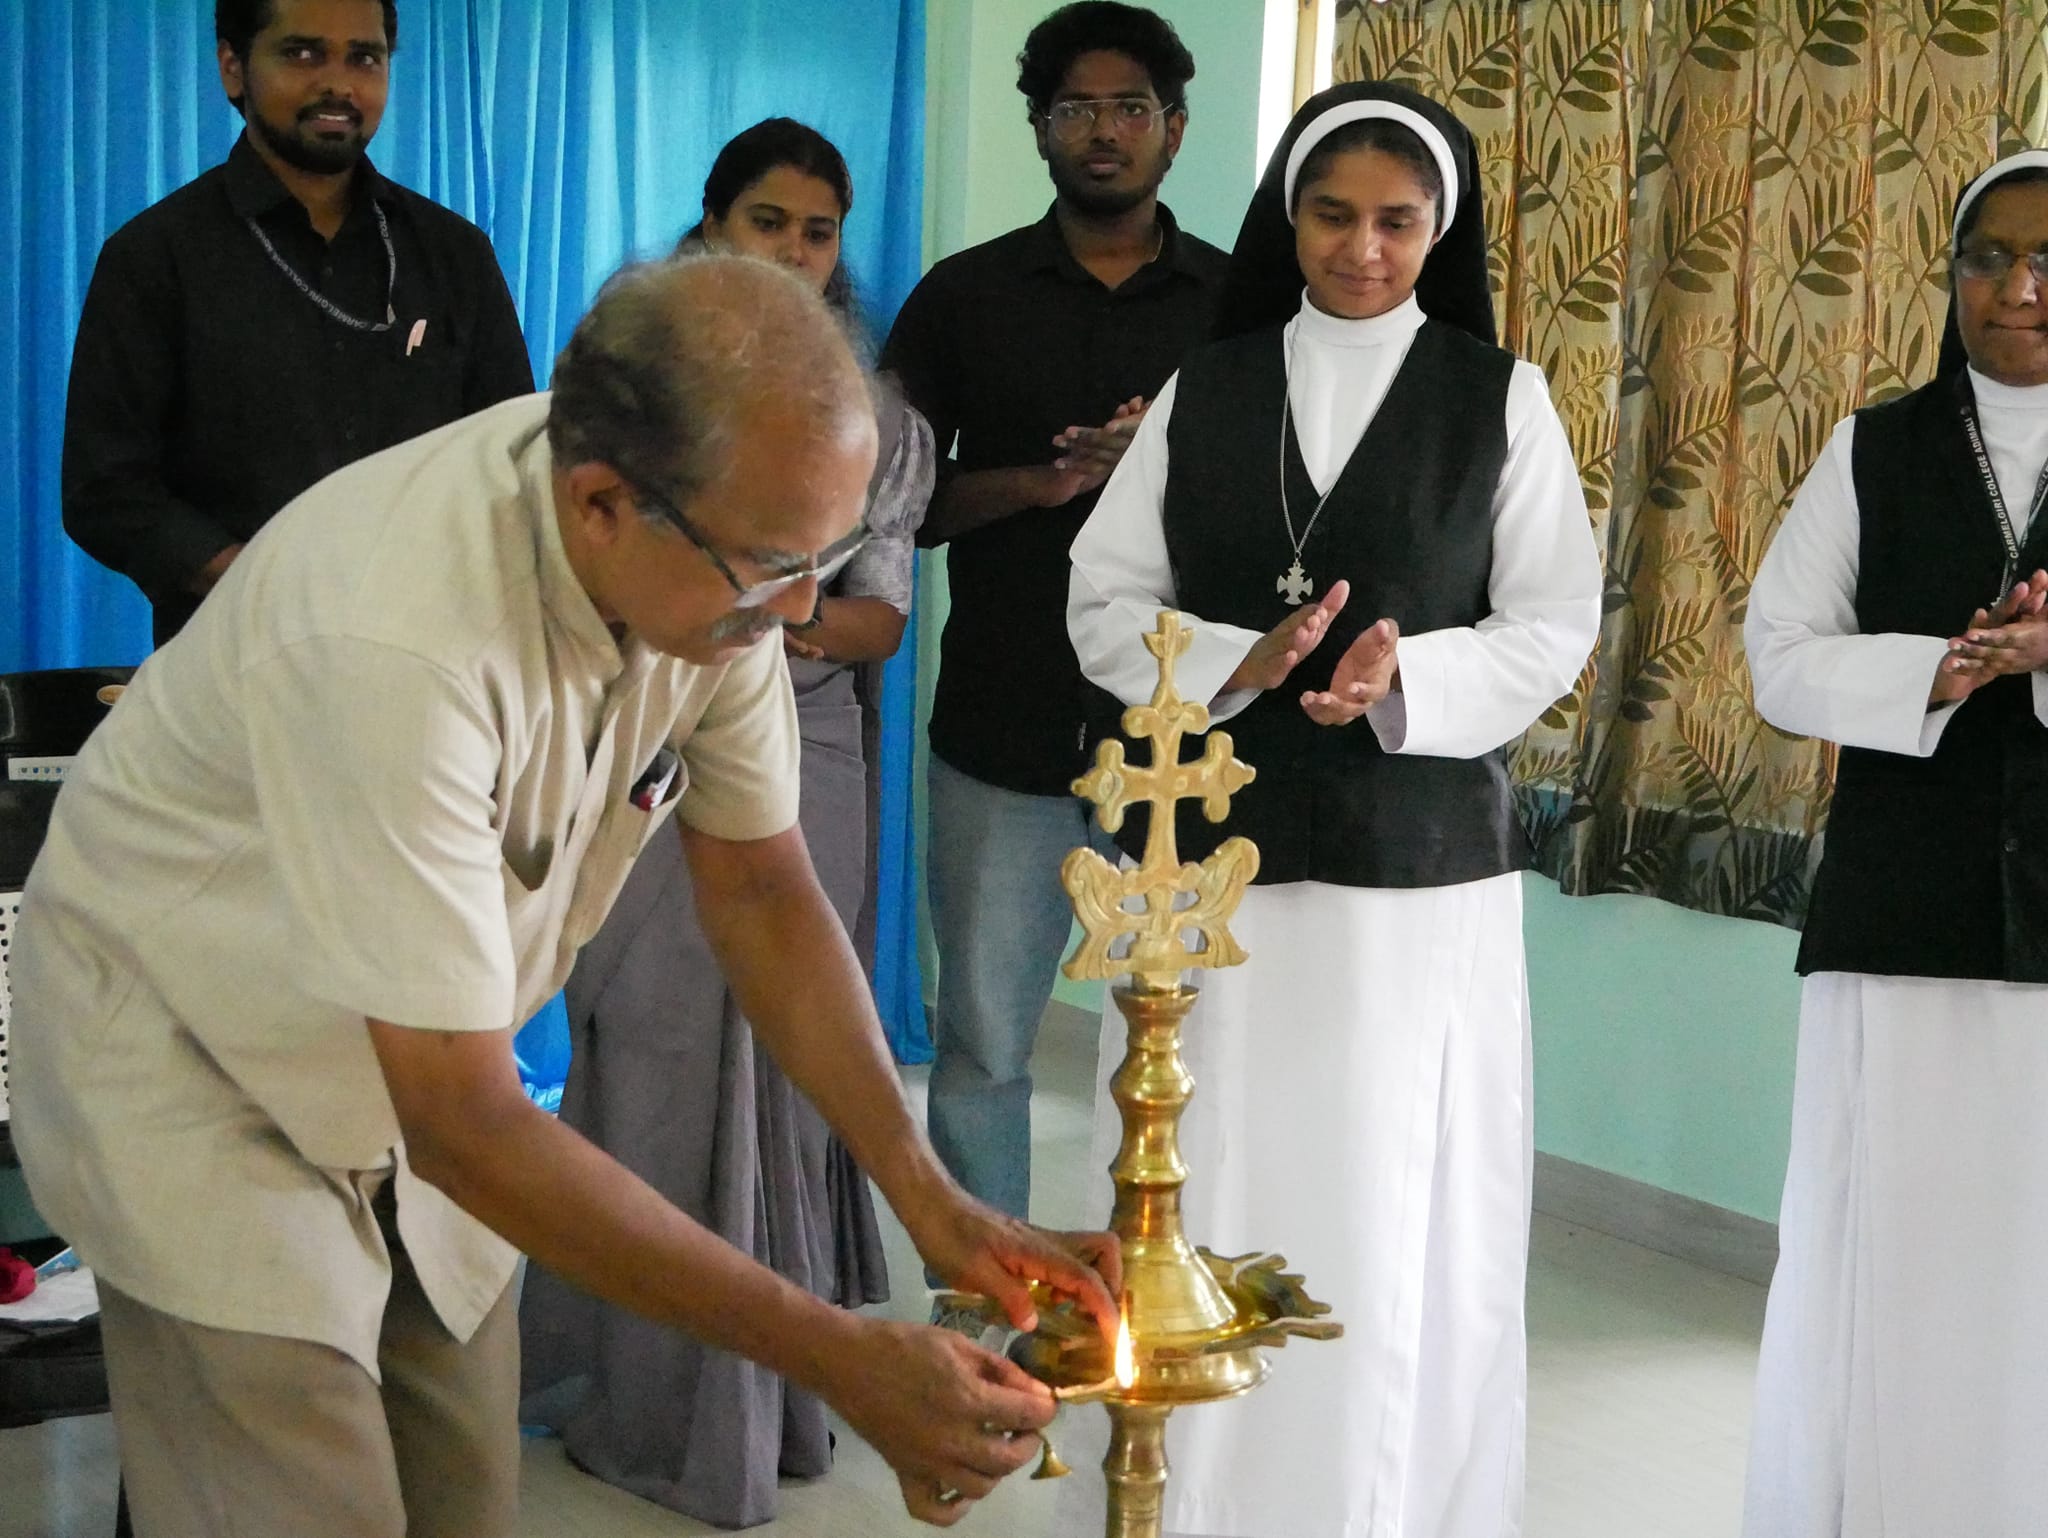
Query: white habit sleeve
[[1814, 673], [1467, 690], [1122, 578]]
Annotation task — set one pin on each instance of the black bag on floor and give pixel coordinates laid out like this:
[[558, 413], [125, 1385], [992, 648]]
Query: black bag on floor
[[50, 1370]]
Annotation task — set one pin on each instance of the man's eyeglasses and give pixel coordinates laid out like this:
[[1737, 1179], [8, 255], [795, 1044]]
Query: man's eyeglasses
[[1073, 121], [1992, 265], [822, 567]]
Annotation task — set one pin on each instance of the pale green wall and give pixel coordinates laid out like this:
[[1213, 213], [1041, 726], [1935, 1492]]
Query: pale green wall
[[1663, 1043]]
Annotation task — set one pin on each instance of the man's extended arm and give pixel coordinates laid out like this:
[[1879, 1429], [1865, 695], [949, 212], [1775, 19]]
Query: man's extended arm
[[921, 1397], [799, 984]]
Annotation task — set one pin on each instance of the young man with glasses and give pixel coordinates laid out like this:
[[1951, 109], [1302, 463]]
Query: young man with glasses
[[288, 312], [338, 841], [1033, 357]]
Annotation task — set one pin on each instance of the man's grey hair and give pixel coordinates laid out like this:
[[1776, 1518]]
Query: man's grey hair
[[674, 354]]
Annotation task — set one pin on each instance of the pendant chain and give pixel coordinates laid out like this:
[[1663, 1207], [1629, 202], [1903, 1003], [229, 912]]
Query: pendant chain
[[1294, 585]]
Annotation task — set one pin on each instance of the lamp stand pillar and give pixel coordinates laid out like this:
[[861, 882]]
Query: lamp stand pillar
[[1136, 1469]]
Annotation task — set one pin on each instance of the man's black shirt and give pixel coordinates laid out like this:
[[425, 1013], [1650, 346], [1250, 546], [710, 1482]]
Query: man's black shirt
[[207, 391], [1003, 346]]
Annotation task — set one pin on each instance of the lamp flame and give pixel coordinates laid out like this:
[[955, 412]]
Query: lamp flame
[[1126, 1353]]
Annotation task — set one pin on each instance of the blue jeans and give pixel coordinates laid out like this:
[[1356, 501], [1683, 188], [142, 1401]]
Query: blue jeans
[[1000, 921]]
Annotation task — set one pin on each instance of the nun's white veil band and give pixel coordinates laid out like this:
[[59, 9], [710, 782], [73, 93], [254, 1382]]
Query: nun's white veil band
[[1360, 111], [2024, 160]]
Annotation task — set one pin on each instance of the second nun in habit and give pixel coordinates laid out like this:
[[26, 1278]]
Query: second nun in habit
[[1899, 1389], [1369, 515]]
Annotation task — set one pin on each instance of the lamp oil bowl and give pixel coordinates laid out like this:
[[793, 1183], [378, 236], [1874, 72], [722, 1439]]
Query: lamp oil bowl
[[1195, 1325]]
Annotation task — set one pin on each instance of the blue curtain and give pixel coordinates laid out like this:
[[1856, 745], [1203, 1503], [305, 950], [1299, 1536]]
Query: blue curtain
[[575, 132]]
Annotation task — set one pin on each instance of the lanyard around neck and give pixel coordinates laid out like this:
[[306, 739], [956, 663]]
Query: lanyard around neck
[[334, 310], [2011, 540]]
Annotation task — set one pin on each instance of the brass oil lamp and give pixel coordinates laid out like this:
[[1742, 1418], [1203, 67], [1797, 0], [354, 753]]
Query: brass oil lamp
[[1194, 1323]]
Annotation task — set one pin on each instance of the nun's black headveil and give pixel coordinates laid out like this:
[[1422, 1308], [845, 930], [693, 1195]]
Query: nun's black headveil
[[1264, 283], [1953, 357]]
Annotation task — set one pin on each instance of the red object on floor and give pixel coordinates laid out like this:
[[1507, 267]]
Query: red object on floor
[[17, 1278]]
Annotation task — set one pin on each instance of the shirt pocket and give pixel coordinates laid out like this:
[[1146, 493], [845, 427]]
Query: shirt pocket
[[631, 818], [422, 391]]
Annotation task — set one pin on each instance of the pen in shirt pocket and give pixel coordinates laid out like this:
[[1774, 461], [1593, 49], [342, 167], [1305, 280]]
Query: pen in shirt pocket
[[652, 788], [417, 335]]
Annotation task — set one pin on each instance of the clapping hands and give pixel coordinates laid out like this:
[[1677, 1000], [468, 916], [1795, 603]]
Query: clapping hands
[[1366, 674], [2009, 637], [1089, 454]]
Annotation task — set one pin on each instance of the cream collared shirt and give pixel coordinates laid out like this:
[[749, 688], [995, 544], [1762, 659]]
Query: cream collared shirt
[[386, 772]]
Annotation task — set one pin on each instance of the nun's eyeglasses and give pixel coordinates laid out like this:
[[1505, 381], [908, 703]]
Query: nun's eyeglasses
[[1073, 121], [822, 567], [1994, 264]]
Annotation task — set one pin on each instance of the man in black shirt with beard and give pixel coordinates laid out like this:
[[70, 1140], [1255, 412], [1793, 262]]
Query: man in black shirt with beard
[[285, 314], [1033, 357]]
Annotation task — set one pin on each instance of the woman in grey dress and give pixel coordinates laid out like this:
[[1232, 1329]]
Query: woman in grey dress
[[664, 1073]]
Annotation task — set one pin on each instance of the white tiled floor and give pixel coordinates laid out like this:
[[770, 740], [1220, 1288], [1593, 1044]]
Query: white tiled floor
[[1640, 1371]]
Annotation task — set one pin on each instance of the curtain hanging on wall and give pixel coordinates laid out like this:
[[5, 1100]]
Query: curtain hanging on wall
[[575, 132], [1719, 226]]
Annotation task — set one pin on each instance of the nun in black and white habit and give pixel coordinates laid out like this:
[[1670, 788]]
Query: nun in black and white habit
[[1903, 1388], [1369, 515]]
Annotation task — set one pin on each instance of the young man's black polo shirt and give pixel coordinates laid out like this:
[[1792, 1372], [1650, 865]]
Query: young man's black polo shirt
[[207, 390], [1002, 347]]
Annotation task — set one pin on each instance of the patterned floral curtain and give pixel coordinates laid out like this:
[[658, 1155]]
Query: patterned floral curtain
[[1719, 226]]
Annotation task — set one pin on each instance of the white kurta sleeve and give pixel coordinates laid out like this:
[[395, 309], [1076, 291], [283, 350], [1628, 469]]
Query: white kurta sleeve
[[1467, 690], [1122, 578], [1813, 672]]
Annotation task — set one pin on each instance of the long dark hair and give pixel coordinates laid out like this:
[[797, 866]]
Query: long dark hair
[[768, 146]]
